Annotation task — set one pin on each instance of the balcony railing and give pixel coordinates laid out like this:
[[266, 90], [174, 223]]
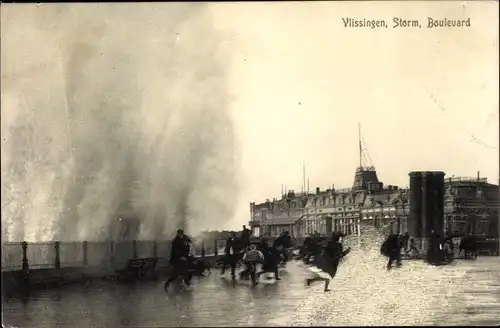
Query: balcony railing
[[467, 179], [343, 190], [365, 169]]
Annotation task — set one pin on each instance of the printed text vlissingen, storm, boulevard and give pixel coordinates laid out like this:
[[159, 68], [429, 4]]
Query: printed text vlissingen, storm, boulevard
[[399, 22]]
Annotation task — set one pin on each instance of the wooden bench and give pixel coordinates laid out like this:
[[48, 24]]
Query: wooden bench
[[138, 268]]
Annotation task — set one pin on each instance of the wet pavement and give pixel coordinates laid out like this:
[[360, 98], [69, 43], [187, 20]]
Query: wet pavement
[[363, 293]]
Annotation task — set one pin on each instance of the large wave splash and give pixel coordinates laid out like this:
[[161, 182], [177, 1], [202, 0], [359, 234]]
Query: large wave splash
[[114, 110]]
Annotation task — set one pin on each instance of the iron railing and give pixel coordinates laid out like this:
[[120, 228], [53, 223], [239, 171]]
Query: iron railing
[[25, 256]]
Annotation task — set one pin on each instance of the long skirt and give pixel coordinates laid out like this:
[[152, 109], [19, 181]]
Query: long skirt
[[324, 267]]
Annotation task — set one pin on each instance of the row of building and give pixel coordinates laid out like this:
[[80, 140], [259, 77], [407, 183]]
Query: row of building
[[471, 205]]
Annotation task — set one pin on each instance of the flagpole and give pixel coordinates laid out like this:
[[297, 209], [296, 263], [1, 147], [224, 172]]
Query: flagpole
[[304, 174]]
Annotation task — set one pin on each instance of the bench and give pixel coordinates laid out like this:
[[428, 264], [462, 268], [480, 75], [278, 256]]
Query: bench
[[138, 268]]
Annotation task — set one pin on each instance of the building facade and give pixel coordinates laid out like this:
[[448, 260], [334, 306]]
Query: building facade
[[273, 217], [334, 209], [471, 206]]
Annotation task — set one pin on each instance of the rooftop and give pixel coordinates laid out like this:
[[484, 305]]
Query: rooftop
[[366, 180]]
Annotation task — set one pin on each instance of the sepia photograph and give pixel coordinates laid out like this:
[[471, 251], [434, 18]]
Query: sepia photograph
[[250, 164]]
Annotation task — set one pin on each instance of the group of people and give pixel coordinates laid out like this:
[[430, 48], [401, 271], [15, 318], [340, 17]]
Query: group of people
[[323, 255], [238, 249], [395, 245], [439, 250], [268, 254]]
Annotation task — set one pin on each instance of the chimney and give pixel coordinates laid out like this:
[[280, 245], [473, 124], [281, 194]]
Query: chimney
[[317, 190]]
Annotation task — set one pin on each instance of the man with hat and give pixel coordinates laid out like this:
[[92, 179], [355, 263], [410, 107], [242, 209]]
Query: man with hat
[[179, 259]]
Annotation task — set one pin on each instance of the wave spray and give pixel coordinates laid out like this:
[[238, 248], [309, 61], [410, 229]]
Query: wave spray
[[111, 111]]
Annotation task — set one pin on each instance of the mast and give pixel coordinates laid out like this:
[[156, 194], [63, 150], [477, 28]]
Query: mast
[[360, 147], [303, 174]]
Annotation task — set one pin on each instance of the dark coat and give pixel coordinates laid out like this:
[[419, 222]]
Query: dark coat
[[271, 256], [235, 244], [179, 249], [329, 259], [245, 235], [284, 241], [391, 246]]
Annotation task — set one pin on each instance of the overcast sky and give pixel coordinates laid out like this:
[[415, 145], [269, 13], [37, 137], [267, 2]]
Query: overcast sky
[[302, 82], [299, 83]]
